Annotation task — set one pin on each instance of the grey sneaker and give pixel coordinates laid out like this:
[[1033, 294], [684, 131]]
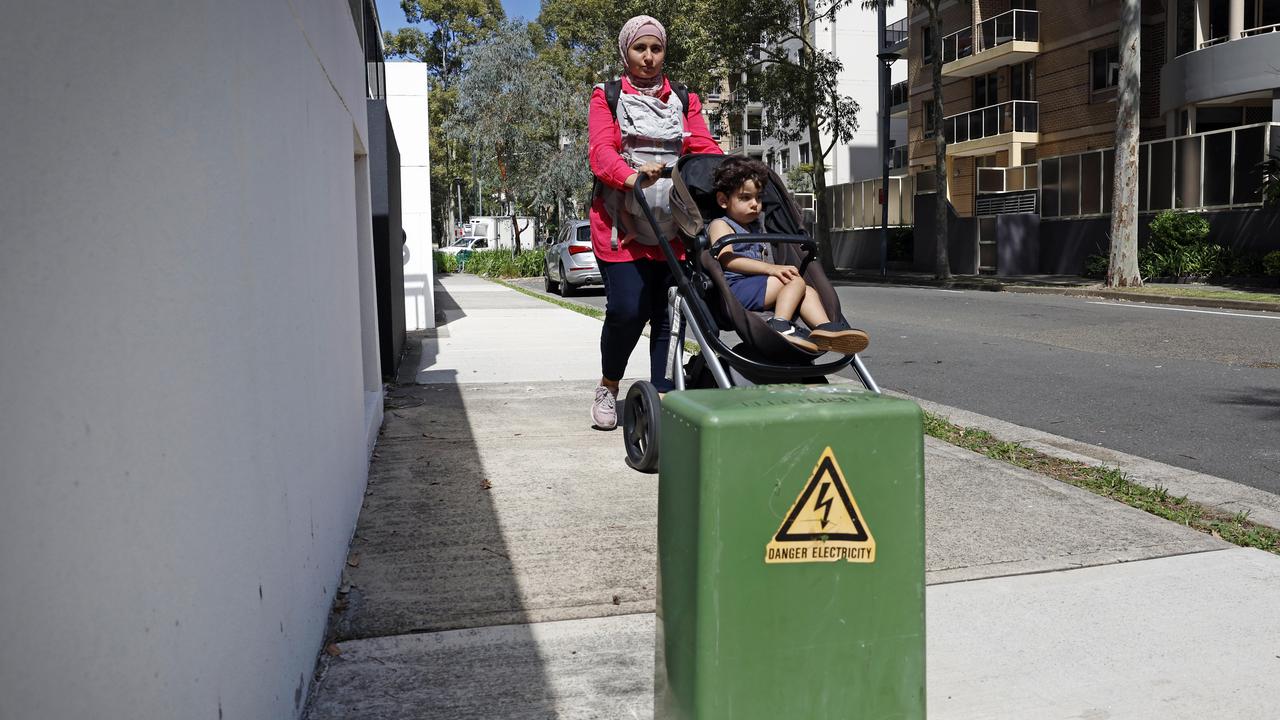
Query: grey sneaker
[[604, 411]]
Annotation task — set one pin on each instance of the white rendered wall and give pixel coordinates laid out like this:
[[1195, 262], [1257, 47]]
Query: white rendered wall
[[182, 378], [407, 106], [853, 39]]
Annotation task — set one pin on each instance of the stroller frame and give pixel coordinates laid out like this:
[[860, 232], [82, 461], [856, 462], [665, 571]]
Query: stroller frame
[[689, 311]]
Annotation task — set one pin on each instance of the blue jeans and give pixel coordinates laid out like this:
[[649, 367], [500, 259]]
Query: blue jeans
[[635, 293]]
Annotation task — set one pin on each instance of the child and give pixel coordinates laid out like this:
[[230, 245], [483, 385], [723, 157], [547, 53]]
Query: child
[[758, 283]]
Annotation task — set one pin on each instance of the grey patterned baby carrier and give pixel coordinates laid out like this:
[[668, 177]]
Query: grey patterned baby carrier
[[652, 131]]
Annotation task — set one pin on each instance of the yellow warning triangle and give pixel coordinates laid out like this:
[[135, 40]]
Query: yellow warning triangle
[[824, 523]]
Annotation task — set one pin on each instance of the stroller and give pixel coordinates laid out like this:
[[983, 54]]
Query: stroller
[[701, 303]]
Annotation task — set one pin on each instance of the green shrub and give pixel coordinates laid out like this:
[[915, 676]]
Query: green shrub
[[901, 244], [445, 263], [1175, 228], [1178, 248], [502, 264], [1271, 263], [1095, 266]]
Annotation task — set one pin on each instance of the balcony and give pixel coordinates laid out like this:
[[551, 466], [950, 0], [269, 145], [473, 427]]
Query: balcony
[[1234, 69], [1006, 39], [897, 34], [898, 99], [985, 130]]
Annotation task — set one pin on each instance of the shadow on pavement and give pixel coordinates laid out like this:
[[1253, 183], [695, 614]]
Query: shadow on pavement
[[428, 555]]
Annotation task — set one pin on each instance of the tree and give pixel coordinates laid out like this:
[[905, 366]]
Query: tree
[[772, 48], [1122, 271], [512, 103], [450, 27]]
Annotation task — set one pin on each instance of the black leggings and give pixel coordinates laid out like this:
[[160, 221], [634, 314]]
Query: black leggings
[[636, 293]]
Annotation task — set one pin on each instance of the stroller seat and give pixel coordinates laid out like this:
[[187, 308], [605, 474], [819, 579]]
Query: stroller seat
[[694, 205]]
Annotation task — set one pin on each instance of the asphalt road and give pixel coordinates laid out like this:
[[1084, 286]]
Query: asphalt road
[[1192, 387]]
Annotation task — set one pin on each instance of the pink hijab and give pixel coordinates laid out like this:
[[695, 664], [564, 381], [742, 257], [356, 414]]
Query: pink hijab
[[634, 29]]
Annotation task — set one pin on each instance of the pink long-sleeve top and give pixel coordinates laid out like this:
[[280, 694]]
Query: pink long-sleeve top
[[605, 142]]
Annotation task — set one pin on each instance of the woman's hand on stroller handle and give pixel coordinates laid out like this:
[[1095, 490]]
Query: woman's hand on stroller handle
[[649, 173]]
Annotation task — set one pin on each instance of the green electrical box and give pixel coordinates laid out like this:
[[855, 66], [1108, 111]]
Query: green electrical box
[[790, 555]]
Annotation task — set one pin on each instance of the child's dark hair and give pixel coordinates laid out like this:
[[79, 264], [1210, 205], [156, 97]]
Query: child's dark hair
[[736, 170]]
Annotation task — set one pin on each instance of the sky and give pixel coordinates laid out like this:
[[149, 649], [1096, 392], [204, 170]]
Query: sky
[[392, 17]]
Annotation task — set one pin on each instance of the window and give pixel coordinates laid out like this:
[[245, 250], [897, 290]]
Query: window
[[926, 44], [1022, 81], [930, 125], [1022, 5], [1104, 67], [1185, 26], [804, 153], [986, 91]]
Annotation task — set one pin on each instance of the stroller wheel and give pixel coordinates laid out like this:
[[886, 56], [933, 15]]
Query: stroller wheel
[[640, 426]]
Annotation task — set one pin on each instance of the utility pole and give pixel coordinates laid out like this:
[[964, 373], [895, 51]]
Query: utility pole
[[882, 37]]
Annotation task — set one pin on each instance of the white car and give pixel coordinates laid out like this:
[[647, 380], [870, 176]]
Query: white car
[[465, 243], [570, 263]]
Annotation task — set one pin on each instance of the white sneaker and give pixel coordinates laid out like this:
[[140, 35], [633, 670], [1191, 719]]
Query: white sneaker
[[604, 410]]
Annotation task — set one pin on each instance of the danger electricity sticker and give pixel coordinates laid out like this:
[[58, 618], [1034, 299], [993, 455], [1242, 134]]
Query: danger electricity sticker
[[824, 524]]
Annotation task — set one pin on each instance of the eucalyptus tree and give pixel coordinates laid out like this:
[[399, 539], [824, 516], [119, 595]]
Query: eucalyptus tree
[[770, 53], [511, 107], [438, 33], [1122, 270]]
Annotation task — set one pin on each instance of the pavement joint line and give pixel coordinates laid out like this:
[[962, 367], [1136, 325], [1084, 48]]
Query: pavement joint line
[[1052, 571], [1153, 306]]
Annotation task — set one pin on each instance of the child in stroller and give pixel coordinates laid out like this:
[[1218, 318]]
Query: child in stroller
[[756, 281], [703, 305]]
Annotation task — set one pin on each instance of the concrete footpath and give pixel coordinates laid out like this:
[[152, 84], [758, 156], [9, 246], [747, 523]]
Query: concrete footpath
[[504, 561]]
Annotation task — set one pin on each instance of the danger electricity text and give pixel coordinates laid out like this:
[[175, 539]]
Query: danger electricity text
[[824, 524]]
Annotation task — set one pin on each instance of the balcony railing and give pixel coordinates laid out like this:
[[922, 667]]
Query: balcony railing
[[898, 32], [1007, 117], [1263, 30], [897, 157], [993, 32], [957, 46], [898, 93], [1006, 27]]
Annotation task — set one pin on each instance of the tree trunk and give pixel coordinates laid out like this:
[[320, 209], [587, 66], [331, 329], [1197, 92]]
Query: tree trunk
[[942, 264], [1122, 270], [821, 222]]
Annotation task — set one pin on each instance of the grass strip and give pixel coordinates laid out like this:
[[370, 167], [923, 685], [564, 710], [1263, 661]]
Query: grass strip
[[588, 310], [1112, 483], [1194, 292]]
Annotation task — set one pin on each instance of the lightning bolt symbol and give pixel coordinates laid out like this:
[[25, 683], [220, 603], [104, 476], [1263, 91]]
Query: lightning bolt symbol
[[824, 505]]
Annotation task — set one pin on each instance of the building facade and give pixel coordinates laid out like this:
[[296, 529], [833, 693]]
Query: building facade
[[1029, 92], [189, 374]]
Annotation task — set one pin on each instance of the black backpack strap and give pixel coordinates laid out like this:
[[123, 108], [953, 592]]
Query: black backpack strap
[[681, 92], [613, 91]]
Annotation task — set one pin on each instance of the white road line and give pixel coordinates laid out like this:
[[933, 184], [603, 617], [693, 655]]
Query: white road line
[[1140, 306], [950, 291]]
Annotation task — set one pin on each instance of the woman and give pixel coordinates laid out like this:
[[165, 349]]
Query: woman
[[635, 274]]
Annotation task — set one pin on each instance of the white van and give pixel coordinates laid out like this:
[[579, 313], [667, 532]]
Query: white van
[[467, 242]]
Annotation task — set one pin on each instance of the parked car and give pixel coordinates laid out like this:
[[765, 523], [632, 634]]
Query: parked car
[[570, 263], [464, 243]]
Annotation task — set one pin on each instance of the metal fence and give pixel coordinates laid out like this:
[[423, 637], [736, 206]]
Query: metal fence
[[1219, 169], [856, 205], [898, 32], [992, 32]]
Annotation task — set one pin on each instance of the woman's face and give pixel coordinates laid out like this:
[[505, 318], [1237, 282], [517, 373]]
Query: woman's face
[[645, 56]]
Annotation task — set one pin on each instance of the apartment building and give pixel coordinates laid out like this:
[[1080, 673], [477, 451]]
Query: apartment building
[[1029, 116]]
